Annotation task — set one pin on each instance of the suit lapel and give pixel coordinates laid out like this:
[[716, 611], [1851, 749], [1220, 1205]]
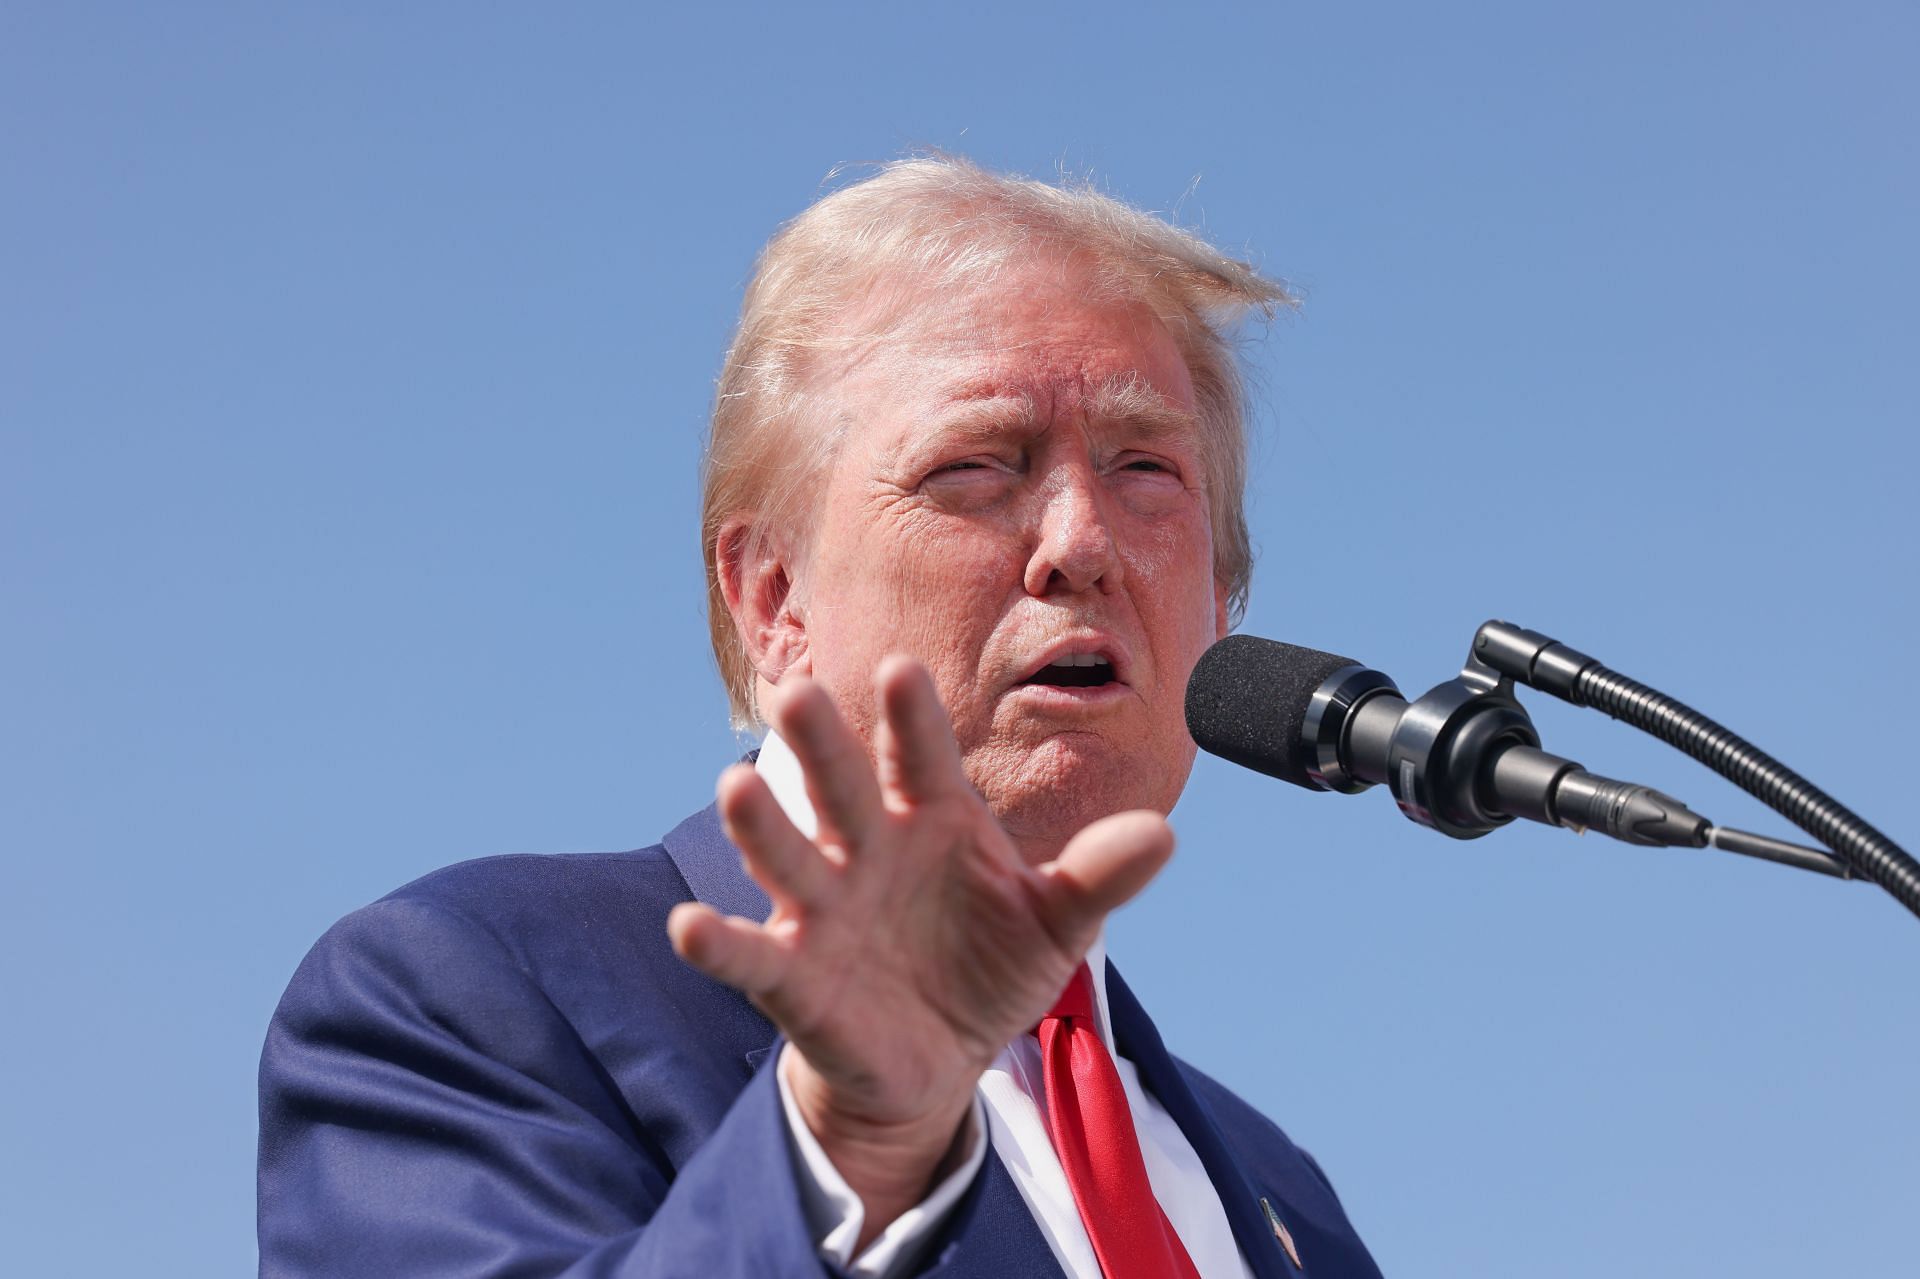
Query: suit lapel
[[1137, 1040], [710, 864], [993, 1235]]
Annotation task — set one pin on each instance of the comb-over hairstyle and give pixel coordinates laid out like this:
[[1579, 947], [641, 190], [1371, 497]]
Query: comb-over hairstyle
[[845, 271]]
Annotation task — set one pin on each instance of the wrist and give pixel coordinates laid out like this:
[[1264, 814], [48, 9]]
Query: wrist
[[891, 1163]]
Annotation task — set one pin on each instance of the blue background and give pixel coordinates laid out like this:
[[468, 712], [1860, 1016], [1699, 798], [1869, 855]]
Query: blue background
[[353, 366]]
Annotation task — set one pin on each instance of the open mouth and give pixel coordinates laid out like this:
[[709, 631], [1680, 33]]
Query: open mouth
[[1076, 670]]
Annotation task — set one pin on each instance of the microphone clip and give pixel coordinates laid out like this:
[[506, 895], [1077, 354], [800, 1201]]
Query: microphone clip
[[1440, 754]]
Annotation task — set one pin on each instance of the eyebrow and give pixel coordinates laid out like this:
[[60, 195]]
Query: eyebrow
[[1126, 399], [1131, 400], [985, 420]]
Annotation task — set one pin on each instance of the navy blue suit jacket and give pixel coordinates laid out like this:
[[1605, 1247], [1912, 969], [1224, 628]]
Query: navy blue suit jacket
[[503, 1069]]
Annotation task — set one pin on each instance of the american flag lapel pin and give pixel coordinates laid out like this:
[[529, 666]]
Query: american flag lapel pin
[[1281, 1233]]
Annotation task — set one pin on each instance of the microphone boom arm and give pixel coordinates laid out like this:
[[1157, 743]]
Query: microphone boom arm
[[1515, 653]]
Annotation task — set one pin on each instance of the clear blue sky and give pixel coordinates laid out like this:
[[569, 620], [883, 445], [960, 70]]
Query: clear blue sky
[[353, 363]]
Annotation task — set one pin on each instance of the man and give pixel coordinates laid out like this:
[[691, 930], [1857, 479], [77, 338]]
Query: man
[[972, 512]]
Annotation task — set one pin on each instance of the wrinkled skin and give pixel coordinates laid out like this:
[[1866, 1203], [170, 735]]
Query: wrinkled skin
[[1020, 475]]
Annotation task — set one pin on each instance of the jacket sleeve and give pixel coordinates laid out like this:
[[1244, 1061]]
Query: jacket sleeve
[[425, 1111]]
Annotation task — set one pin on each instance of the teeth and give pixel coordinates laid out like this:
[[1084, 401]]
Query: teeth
[[1080, 659]]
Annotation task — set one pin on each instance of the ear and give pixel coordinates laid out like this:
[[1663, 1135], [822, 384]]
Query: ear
[[756, 575]]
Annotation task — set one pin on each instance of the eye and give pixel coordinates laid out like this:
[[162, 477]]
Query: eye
[[1147, 464], [1149, 483], [974, 466], [969, 481]]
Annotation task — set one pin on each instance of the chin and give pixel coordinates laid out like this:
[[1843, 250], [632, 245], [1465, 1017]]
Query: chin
[[1049, 791]]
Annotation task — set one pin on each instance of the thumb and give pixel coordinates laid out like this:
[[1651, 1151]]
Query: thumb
[[1104, 866]]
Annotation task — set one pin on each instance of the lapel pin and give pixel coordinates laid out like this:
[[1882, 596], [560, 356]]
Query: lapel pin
[[1281, 1233]]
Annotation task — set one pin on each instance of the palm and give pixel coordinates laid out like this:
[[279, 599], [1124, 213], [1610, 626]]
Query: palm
[[925, 965], [911, 941]]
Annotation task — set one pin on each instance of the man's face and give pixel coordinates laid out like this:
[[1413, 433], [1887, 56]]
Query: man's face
[[1019, 492]]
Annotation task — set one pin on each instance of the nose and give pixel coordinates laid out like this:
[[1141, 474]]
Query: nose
[[1074, 550]]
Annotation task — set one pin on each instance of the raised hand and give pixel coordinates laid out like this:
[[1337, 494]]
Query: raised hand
[[910, 941]]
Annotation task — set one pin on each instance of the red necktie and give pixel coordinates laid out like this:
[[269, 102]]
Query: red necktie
[[1092, 1131]]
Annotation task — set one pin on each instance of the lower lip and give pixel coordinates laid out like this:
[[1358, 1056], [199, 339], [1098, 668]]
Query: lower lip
[[1057, 697]]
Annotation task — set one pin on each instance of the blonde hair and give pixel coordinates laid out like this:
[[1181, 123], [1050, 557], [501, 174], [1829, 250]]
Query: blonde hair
[[857, 258]]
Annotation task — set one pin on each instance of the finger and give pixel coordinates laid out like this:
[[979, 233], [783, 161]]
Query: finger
[[839, 775], [726, 948], [1102, 867], [781, 859], [919, 760]]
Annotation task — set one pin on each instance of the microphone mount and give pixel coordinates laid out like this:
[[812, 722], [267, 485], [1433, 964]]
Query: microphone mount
[[1464, 759]]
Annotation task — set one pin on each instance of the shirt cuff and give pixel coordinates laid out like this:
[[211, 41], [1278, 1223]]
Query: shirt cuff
[[836, 1216]]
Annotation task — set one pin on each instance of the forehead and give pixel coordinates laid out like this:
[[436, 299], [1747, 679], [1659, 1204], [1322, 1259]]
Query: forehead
[[1029, 349]]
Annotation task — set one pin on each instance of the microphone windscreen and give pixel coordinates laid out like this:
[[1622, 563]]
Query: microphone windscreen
[[1247, 701]]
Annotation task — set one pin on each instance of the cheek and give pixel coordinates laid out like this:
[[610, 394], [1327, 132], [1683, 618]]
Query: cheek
[[1173, 562], [949, 588], [921, 562], [934, 589]]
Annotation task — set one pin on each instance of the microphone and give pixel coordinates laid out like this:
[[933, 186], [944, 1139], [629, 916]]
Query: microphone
[[1463, 759]]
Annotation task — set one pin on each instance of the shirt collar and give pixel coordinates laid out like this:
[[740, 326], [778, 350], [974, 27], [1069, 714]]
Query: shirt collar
[[779, 767]]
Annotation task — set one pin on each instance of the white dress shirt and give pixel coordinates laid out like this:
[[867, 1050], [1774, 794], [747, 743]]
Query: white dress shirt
[[1010, 1114]]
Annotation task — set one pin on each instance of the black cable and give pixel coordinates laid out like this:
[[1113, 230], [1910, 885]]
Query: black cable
[[1779, 851], [1753, 770], [1541, 662]]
